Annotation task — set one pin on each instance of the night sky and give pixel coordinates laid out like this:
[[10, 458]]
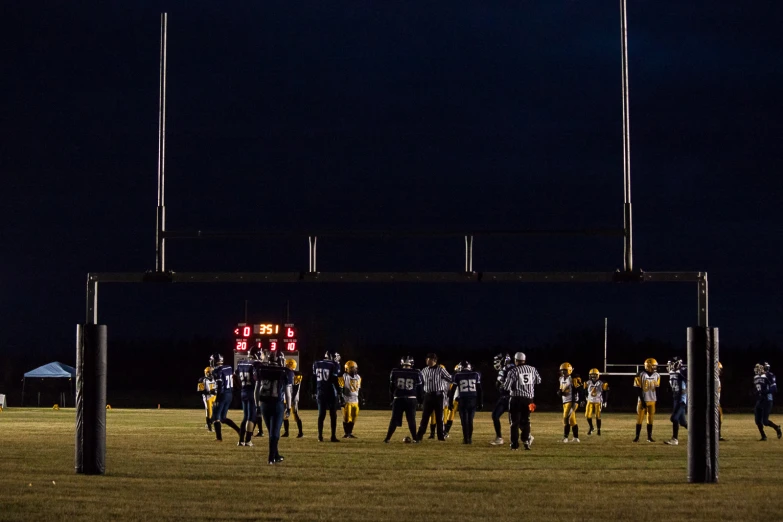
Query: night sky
[[393, 116]]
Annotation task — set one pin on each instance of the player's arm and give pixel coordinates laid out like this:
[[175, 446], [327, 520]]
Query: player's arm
[[605, 394], [637, 382], [479, 394], [201, 386], [452, 390], [391, 386], [289, 387], [420, 387], [445, 375]]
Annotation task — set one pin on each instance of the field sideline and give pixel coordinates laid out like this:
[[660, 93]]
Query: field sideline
[[163, 464]]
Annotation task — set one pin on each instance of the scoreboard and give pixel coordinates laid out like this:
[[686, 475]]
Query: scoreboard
[[271, 337]]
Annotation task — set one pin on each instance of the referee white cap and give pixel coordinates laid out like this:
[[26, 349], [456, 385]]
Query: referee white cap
[[519, 356]]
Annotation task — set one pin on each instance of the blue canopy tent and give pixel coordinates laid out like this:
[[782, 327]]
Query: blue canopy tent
[[53, 370]]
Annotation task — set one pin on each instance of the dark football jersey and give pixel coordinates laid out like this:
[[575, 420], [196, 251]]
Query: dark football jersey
[[272, 381], [245, 372], [501, 380], [405, 382], [468, 383], [763, 391], [326, 373], [679, 384], [224, 379]]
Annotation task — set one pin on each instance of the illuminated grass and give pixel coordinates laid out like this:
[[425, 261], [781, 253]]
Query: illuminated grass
[[163, 464]]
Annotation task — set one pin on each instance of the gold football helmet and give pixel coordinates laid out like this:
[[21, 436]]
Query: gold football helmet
[[207, 371], [290, 364], [351, 367], [759, 369], [594, 374], [650, 365], [566, 369]]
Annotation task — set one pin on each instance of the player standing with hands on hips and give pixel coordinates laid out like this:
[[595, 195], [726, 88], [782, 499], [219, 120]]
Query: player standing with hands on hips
[[273, 386], [521, 384], [328, 393]]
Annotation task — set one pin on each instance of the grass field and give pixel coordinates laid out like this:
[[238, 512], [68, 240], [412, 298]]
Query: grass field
[[163, 465]]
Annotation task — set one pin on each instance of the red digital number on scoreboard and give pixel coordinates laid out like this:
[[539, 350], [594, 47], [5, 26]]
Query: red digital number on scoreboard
[[291, 347]]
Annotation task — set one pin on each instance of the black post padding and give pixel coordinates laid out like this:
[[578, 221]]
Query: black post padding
[[91, 399], [703, 417]]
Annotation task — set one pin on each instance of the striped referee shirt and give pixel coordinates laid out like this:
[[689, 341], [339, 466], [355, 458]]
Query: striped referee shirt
[[521, 381], [434, 378]]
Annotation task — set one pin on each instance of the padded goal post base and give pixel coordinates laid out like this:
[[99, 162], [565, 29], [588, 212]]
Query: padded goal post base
[[90, 399], [703, 419]]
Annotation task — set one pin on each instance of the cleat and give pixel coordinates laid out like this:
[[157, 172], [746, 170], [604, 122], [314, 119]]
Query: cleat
[[671, 442], [249, 444], [279, 459], [334, 439], [284, 434], [320, 438], [514, 447], [575, 440], [346, 436], [385, 441], [636, 439], [271, 462], [530, 440], [497, 442], [650, 440], [763, 439], [527, 446], [218, 440], [352, 436], [599, 433], [590, 431], [779, 431], [240, 443], [300, 436], [431, 437], [565, 440], [414, 441], [259, 435]]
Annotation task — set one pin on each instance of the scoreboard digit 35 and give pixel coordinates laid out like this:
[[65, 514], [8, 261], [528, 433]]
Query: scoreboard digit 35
[[270, 337]]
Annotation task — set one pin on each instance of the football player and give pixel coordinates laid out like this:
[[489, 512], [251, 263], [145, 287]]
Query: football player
[[468, 382], [326, 372], [206, 387], [273, 390], [245, 374], [502, 363], [291, 365], [773, 381], [764, 390], [350, 387], [224, 389], [453, 406], [648, 381], [679, 385], [597, 396], [570, 385], [406, 387]]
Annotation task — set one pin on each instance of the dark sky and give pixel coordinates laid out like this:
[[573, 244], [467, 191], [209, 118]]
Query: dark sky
[[391, 115]]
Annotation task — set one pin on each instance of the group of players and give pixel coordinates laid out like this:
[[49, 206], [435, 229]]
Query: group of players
[[270, 387]]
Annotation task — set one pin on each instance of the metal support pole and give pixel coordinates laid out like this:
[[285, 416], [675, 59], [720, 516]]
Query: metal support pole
[[606, 332], [703, 303], [160, 240], [90, 454], [627, 212], [313, 240], [468, 253], [92, 299], [703, 445]]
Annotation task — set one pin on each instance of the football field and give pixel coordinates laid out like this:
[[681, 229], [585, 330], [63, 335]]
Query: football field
[[163, 465]]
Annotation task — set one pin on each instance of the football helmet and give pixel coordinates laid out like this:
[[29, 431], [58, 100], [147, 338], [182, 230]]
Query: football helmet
[[351, 368], [720, 368], [674, 365], [207, 371], [650, 365], [501, 360], [274, 359], [256, 354], [332, 356], [407, 361], [759, 369], [290, 364], [566, 369], [458, 367], [766, 366], [215, 360], [519, 356], [594, 374], [466, 366]]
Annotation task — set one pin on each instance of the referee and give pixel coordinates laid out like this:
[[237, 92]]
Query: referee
[[434, 378], [520, 383]]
